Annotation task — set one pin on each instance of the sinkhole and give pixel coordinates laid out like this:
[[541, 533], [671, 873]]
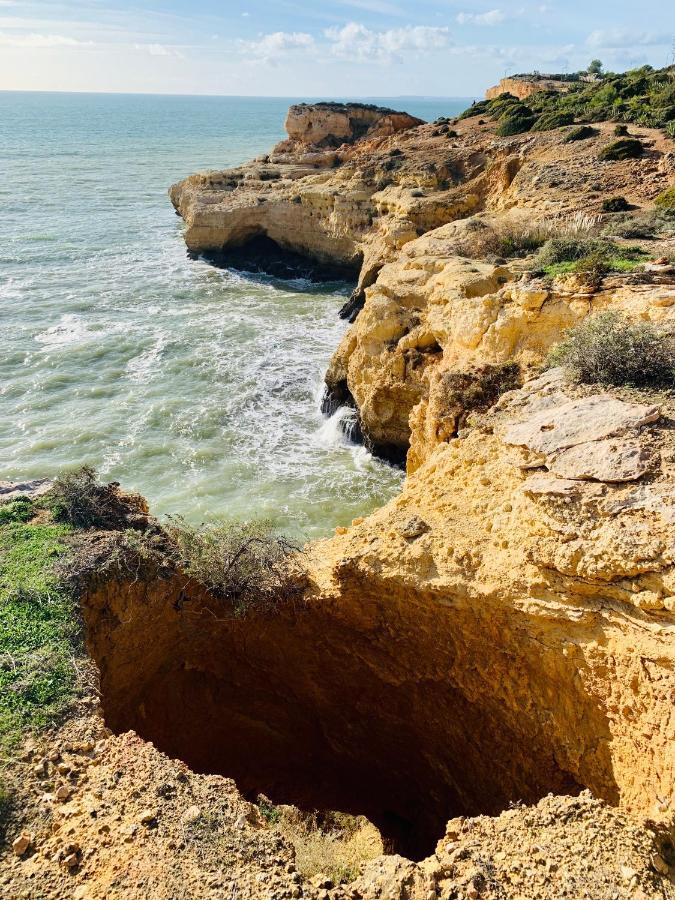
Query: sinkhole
[[357, 708]]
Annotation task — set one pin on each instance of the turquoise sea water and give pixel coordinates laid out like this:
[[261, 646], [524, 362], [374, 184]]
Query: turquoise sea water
[[196, 386]]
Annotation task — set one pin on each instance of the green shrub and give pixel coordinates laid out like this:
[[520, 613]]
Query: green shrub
[[646, 225], [518, 123], [666, 200], [569, 249], [19, 510], [506, 238], [605, 348], [624, 148], [582, 133], [615, 204], [79, 499], [487, 385], [243, 564], [592, 256], [553, 119], [670, 129]]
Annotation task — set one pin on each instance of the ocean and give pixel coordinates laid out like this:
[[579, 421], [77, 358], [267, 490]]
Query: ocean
[[196, 386]]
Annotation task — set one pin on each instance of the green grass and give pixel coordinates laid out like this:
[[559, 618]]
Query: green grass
[[611, 264], [39, 631], [595, 256]]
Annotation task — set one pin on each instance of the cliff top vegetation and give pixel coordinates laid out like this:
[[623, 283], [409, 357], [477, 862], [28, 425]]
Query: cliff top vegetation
[[644, 96]]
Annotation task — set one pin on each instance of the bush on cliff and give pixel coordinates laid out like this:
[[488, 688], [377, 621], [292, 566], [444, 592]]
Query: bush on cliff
[[582, 133], [605, 348], [615, 204], [242, 563], [79, 499], [665, 202], [594, 256], [553, 119], [624, 148]]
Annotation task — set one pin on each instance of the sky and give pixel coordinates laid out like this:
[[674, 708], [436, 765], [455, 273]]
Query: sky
[[291, 48]]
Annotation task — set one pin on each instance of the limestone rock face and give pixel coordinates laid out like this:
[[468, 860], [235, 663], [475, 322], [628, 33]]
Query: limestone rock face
[[522, 88], [332, 124], [564, 572]]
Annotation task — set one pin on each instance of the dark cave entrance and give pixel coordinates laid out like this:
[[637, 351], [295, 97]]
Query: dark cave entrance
[[262, 255]]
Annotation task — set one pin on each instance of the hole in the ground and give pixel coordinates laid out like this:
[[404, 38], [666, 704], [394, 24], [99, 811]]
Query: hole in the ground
[[358, 709]]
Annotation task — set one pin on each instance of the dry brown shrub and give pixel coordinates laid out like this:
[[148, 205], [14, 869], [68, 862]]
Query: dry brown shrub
[[334, 844]]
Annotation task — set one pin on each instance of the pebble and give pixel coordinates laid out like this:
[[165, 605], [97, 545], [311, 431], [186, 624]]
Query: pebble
[[191, 814], [21, 844], [659, 863], [63, 792]]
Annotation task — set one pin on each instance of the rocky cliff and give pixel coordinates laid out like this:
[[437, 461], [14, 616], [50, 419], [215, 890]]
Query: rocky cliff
[[522, 88]]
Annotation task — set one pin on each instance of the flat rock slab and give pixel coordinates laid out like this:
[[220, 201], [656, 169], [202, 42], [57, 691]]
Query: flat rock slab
[[10, 490], [611, 459], [578, 422]]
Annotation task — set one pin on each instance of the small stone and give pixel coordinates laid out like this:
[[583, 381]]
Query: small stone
[[340, 529], [358, 520], [70, 861], [413, 528], [627, 873], [148, 818], [21, 844], [240, 821], [659, 863], [63, 792], [191, 814]]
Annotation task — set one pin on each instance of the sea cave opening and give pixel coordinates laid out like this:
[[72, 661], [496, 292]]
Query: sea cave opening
[[258, 253]]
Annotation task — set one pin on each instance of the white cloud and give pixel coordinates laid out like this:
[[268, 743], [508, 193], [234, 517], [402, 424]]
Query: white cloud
[[493, 17], [40, 41], [159, 50], [619, 38], [271, 47], [355, 41]]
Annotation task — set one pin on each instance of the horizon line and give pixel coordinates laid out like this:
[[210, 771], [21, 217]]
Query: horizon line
[[244, 96]]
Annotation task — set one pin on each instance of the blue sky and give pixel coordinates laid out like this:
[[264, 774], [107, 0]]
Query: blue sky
[[329, 48]]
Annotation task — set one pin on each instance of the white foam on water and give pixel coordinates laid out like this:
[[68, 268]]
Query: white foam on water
[[71, 329], [198, 386], [143, 366]]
